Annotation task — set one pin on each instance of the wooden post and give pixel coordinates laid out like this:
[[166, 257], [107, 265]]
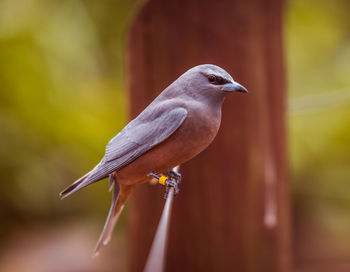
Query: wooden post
[[232, 212]]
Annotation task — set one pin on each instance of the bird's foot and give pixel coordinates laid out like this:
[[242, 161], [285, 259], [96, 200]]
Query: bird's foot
[[172, 179], [174, 175], [171, 183]]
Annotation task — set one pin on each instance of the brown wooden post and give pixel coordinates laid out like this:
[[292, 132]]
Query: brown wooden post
[[232, 212]]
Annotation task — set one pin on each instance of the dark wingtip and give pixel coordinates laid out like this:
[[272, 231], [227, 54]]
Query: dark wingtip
[[63, 195], [68, 191], [73, 187]]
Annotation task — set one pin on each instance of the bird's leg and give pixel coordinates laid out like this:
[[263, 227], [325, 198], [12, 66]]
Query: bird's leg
[[170, 179]]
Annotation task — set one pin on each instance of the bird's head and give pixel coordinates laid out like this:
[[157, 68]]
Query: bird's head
[[210, 82]]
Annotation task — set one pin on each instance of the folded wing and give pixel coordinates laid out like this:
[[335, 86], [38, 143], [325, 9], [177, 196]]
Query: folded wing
[[139, 136]]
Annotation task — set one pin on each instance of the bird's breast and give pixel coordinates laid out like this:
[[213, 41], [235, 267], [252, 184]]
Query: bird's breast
[[193, 136], [201, 126]]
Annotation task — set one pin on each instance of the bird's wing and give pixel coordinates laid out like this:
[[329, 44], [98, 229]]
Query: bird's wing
[[143, 133], [146, 131], [139, 136]]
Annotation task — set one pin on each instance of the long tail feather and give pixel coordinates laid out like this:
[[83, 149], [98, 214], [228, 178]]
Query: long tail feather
[[111, 182], [120, 195]]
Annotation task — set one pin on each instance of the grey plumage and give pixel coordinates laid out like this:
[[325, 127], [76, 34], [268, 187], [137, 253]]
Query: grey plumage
[[184, 118], [150, 128]]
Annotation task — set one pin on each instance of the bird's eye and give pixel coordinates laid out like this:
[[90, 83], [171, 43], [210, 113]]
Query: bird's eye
[[212, 78]]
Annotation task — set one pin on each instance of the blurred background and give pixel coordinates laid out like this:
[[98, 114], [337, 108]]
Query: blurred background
[[62, 97], [317, 43]]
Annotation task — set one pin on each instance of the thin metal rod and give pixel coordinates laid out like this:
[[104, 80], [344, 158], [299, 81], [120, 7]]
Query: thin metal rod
[[156, 258]]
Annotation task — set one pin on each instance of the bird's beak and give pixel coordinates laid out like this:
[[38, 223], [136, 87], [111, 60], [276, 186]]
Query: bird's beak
[[233, 87]]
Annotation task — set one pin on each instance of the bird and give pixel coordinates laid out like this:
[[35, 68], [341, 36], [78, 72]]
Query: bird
[[175, 127]]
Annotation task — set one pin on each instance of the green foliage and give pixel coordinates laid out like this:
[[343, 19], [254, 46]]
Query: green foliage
[[318, 55], [62, 98]]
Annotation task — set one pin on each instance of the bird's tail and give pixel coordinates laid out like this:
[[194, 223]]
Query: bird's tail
[[120, 196]]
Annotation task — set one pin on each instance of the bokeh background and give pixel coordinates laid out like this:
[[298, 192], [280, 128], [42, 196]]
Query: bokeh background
[[62, 97], [317, 41]]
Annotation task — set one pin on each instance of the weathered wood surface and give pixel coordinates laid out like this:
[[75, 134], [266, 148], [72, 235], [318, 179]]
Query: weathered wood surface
[[219, 219]]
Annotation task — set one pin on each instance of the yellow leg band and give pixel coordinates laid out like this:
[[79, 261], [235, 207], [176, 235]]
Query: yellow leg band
[[162, 180]]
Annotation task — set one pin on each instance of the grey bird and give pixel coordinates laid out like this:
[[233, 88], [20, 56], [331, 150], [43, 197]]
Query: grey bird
[[180, 123]]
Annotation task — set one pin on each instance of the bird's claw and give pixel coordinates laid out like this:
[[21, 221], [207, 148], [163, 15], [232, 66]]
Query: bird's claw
[[171, 183], [173, 179], [174, 175]]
